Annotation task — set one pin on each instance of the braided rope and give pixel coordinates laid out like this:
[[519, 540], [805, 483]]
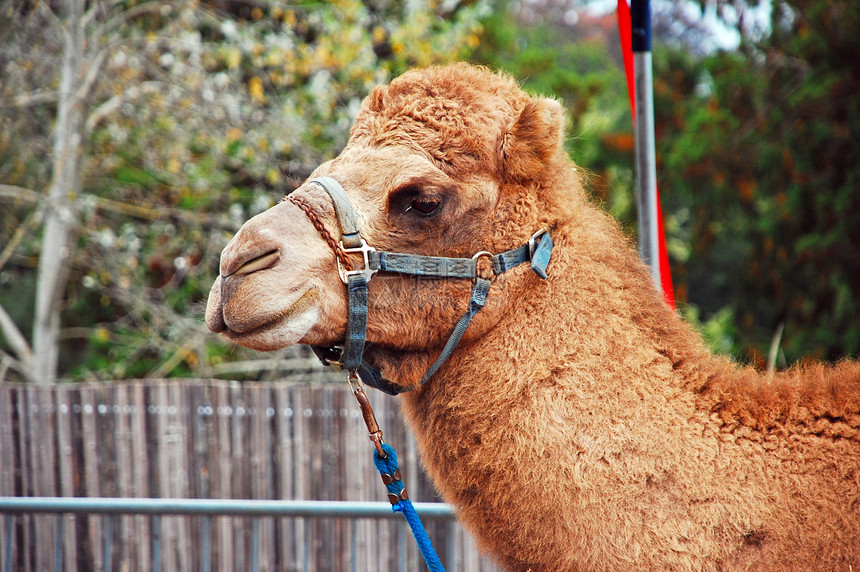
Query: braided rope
[[324, 233]]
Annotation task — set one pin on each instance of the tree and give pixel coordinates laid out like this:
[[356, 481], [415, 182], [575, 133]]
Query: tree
[[758, 151], [87, 37], [64, 187], [577, 59], [198, 113]]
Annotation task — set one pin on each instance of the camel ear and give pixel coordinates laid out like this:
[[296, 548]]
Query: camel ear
[[529, 145], [375, 99]]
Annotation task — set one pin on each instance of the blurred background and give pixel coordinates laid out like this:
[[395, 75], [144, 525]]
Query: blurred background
[[137, 136]]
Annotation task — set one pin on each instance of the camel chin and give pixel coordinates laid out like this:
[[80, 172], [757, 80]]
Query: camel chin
[[264, 325]]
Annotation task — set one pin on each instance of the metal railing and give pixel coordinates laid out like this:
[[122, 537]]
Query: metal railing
[[208, 509]]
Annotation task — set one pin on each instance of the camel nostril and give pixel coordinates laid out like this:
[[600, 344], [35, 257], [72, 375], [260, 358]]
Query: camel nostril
[[261, 262]]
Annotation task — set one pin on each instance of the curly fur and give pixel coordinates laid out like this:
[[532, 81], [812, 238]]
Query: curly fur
[[580, 425]]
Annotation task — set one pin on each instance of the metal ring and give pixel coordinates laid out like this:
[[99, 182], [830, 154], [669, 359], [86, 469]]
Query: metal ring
[[477, 256], [532, 242]]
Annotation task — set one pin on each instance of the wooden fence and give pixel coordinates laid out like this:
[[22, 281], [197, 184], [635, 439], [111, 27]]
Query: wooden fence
[[205, 439]]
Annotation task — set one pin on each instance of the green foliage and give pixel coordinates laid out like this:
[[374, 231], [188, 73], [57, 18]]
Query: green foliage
[[718, 330], [549, 59], [761, 146], [200, 112]]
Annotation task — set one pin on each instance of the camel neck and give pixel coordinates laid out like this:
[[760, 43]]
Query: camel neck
[[595, 322]]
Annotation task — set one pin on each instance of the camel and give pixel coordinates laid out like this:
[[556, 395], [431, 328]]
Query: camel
[[580, 423]]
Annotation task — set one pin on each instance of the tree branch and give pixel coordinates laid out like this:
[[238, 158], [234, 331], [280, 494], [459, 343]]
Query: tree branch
[[99, 7], [8, 362], [299, 364], [127, 15], [17, 342], [32, 220], [13, 192], [168, 365], [54, 20], [33, 98], [156, 213], [115, 102], [93, 73]]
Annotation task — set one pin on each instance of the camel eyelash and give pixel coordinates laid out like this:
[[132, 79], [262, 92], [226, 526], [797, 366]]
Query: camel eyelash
[[417, 201], [425, 205]]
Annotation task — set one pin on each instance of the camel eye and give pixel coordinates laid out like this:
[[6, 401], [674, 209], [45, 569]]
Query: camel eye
[[419, 199], [425, 205]]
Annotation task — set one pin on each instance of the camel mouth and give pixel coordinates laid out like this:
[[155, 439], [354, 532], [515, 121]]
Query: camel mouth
[[284, 327], [257, 264]]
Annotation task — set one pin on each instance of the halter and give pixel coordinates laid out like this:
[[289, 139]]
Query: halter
[[537, 251]]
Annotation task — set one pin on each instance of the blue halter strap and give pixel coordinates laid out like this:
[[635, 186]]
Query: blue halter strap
[[537, 251]]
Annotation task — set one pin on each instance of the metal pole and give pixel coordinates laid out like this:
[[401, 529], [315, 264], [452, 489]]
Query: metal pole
[[452, 546], [646, 169], [255, 544], [220, 507]]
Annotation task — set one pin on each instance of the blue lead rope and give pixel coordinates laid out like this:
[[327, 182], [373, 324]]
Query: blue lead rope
[[385, 459], [390, 474]]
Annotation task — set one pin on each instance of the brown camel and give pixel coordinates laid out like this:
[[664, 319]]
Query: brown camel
[[579, 424]]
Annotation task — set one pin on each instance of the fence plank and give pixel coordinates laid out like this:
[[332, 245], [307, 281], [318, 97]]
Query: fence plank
[[222, 473], [138, 419], [66, 462], [7, 447], [285, 545], [239, 487], [207, 439], [300, 462], [40, 446], [26, 540], [91, 470]]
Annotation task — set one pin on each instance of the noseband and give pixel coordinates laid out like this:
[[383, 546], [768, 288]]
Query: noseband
[[537, 251]]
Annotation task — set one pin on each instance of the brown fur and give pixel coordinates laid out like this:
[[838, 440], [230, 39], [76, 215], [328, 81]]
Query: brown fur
[[580, 424]]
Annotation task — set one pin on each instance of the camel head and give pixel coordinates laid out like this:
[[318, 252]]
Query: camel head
[[446, 161]]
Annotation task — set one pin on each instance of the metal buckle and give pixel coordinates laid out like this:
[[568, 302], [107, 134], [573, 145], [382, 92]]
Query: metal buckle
[[533, 242], [489, 256], [367, 271]]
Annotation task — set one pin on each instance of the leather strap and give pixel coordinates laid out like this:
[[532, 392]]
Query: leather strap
[[537, 251], [476, 302], [356, 322], [350, 235], [442, 267], [418, 265]]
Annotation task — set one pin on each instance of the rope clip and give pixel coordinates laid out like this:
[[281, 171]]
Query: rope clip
[[373, 430]]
